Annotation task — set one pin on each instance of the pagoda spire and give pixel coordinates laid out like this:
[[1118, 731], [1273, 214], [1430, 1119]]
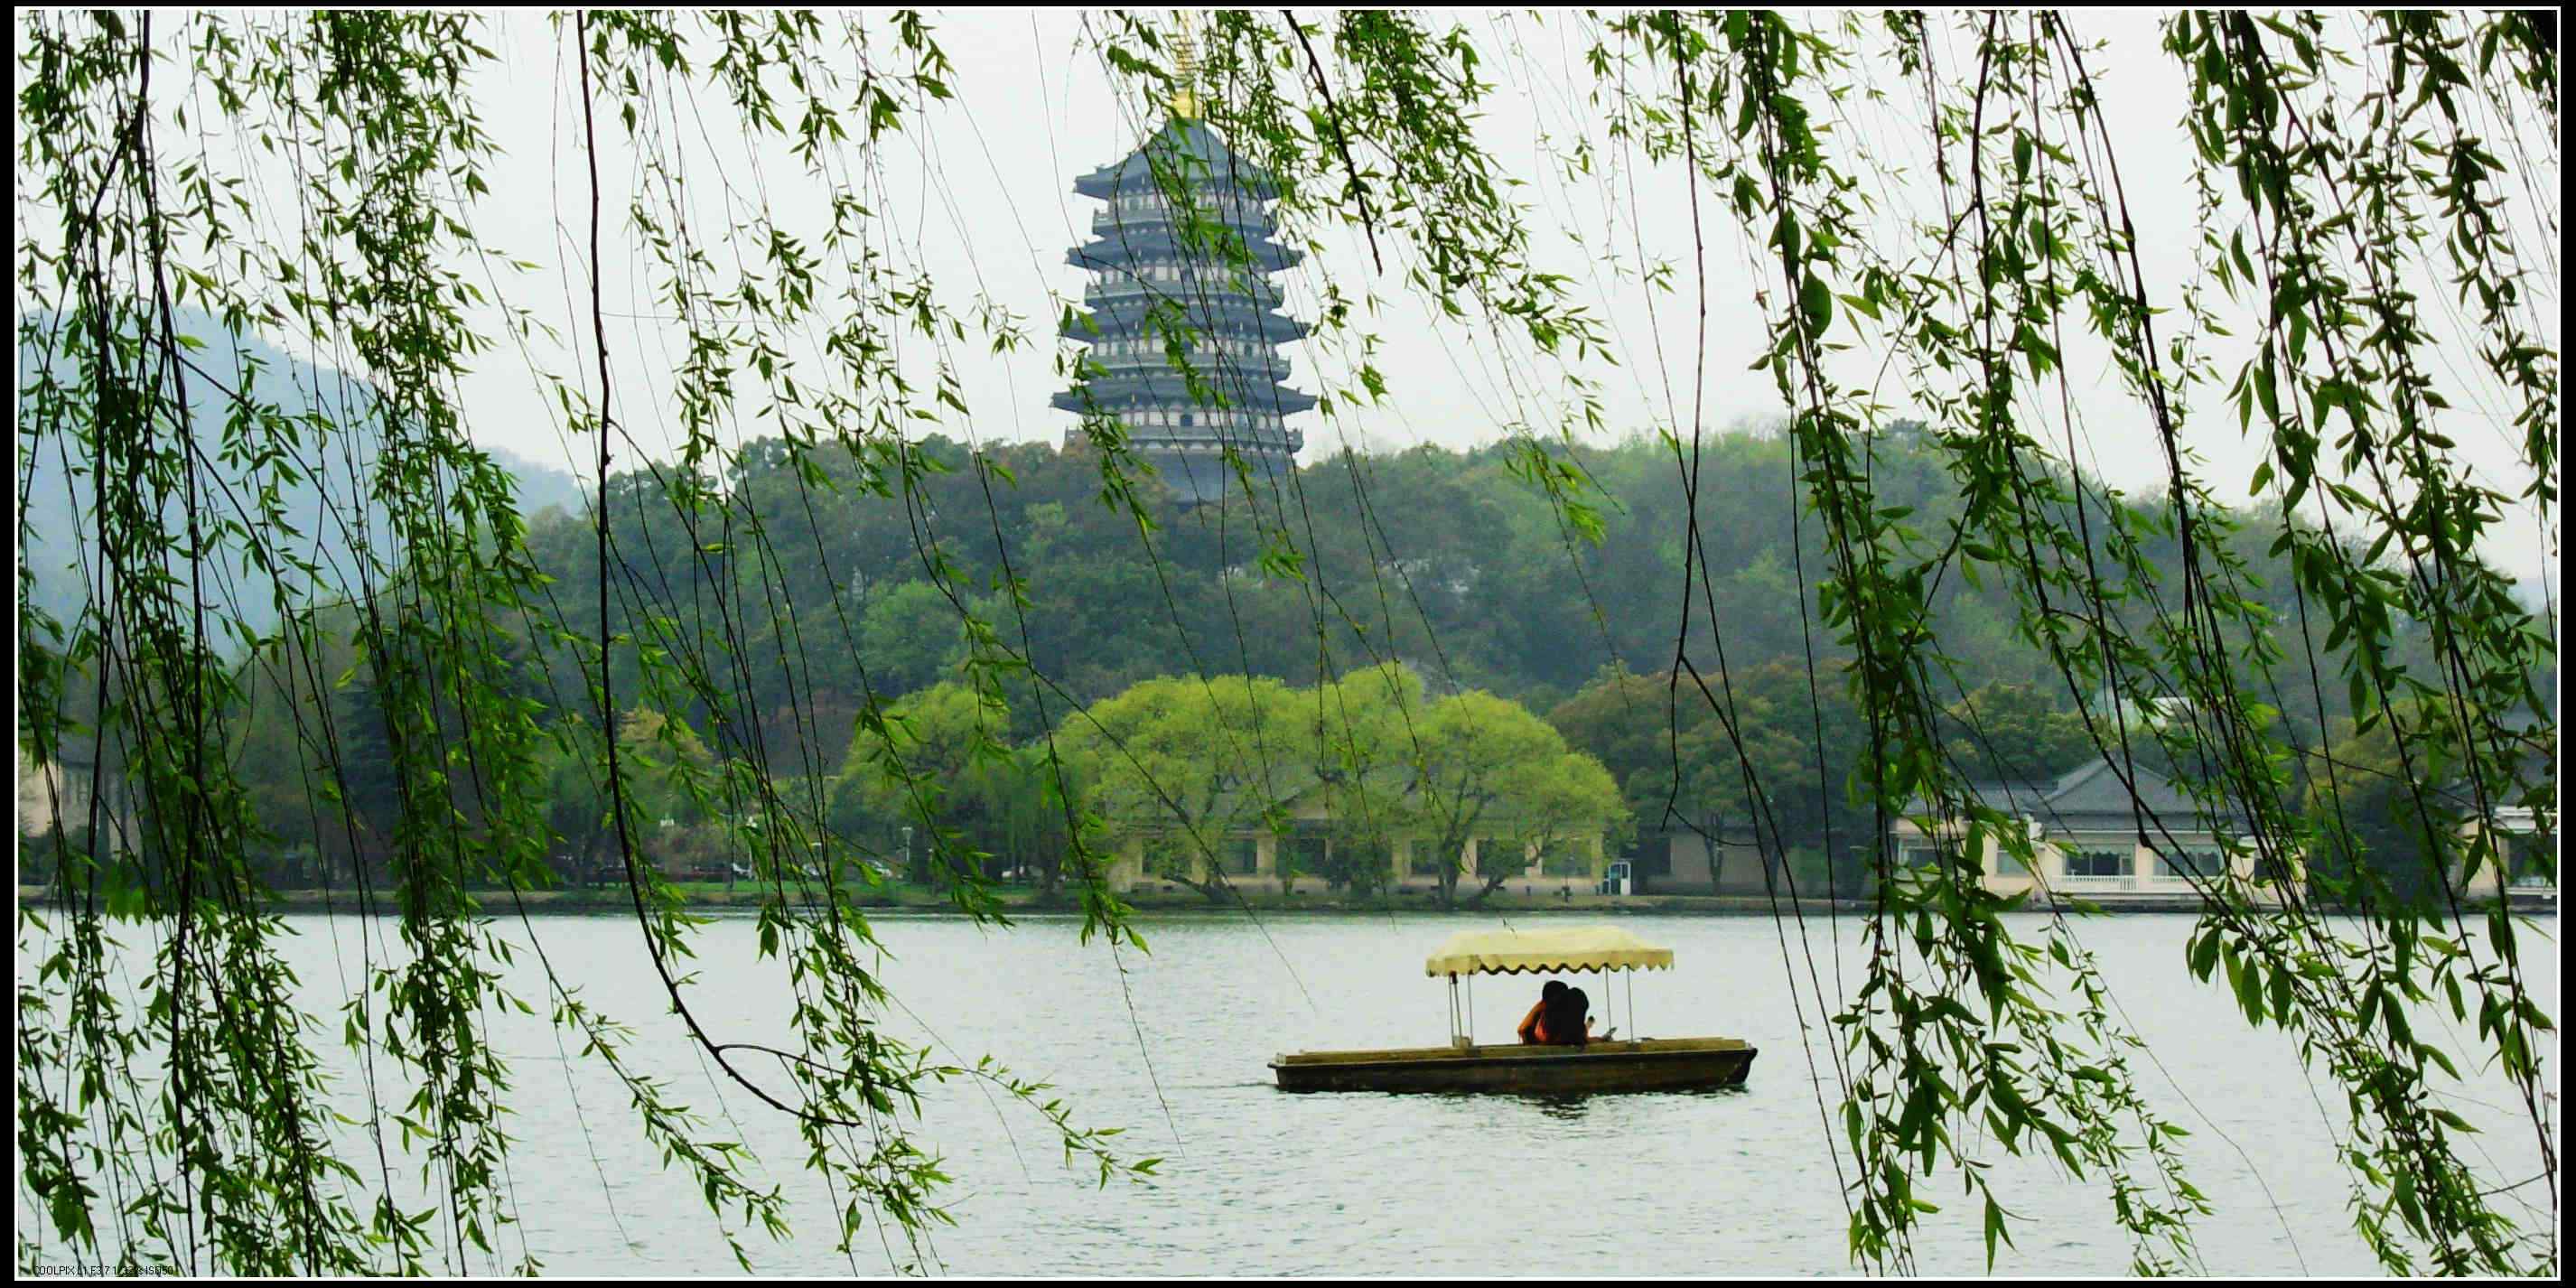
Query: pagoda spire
[[1185, 67]]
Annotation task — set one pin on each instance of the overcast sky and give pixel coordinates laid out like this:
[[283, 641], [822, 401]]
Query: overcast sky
[[986, 206]]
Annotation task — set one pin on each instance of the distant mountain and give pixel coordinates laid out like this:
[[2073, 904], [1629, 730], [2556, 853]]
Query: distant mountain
[[326, 506], [542, 487]]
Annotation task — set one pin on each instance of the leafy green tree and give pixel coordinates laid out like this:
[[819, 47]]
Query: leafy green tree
[[1363, 729], [672, 774], [910, 636], [1472, 766], [2016, 732], [1629, 723], [1189, 765], [1778, 763], [949, 772], [2390, 832]]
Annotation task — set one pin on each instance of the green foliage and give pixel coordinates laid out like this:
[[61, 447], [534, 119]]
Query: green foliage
[[1190, 765], [1485, 769], [949, 760], [910, 637], [319, 177], [315, 178], [1188, 762], [2015, 732]]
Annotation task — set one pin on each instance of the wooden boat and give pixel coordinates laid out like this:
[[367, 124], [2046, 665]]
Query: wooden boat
[[1635, 1064]]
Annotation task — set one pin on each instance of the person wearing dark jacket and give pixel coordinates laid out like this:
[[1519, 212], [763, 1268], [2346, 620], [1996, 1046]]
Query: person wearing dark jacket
[[1547, 1020], [1576, 1026]]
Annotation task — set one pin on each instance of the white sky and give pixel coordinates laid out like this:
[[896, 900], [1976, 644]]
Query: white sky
[[991, 210]]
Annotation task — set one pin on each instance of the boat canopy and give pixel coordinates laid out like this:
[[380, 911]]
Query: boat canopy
[[1512, 952]]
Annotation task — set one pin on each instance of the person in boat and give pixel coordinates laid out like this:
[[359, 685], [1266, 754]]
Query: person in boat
[[1547, 1019], [1578, 1021]]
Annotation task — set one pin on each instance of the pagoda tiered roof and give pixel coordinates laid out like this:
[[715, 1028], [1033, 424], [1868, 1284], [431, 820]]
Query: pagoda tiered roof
[[1183, 148], [1181, 260]]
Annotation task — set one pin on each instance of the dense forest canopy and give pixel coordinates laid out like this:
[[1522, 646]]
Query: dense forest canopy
[[1489, 598], [1486, 592], [800, 612]]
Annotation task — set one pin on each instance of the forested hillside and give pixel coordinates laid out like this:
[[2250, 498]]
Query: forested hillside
[[1447, 563], [825, 596]]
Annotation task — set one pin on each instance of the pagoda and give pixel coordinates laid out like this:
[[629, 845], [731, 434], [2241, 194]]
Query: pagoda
[[1181, 316]]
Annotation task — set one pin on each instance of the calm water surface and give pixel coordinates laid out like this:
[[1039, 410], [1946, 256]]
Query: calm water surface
[[1173, 1045]]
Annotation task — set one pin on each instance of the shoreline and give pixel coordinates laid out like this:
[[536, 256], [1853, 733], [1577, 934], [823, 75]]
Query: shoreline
[[612, 900], [596, 901]]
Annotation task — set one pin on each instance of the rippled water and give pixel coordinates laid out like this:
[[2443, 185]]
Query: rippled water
[[1174, 1047]]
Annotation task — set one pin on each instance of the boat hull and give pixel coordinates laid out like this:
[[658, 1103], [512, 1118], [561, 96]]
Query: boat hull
[[1657, 1064]]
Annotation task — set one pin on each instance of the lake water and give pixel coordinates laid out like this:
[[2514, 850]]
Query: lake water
[[1259, 1182]]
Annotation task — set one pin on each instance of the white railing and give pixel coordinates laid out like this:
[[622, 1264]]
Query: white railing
[[2086, 885]]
